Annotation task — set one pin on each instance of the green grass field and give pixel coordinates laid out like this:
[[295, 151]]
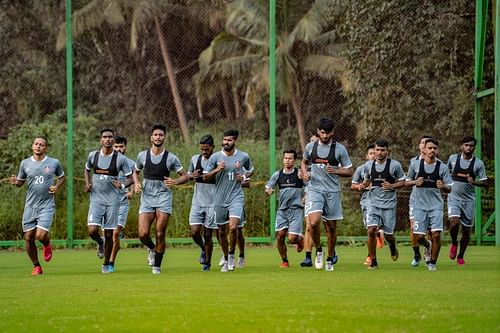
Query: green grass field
[[73, 296]]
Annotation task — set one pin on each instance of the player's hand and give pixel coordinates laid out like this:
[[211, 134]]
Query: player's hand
[[221, 165], [13, 180], [269, 191], [52, 189], [87, 188], [419, 181], [130, 194], [137, 187], [116, 183], [307, 176], [439, 184], [239, 177], [386, 185], [196, 174], [470, 180], [168, 182], [361, 187], [330, 169]]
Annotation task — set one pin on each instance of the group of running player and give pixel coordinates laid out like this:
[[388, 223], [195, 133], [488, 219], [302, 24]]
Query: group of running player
[[218, 201]]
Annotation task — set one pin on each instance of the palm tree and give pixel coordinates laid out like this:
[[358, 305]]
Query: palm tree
[[142, 13], [306, 45]]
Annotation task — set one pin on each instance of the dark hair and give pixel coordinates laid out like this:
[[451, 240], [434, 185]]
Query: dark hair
[[107, 130], [290, 151], [231, 132], [424, 137], [469, 138], [121, 139], [159, 127], [207, 140], [370, 146], [325, 124], [382, 143], [43, 138], [434, 141]]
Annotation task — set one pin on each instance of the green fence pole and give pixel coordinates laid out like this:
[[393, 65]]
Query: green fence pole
[[69, 110], [272, 108], [481, 18], [497, 121]]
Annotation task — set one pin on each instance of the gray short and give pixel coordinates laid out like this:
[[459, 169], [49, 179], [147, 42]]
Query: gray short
[[383, 218], [222, 214], [329, 204], [410, 212], [38, 218], [123, 214], [427, 219], [202, 215], [103, 216], [463, 210], [290, 219], [150, 204]]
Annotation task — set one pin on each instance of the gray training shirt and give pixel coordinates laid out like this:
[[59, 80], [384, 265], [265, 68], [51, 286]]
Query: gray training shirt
[[378, 196], [103, 192], [203, 195], [321, 181], [358, 178], [428, 199], [289, 197], [461, 190], [40, 177]]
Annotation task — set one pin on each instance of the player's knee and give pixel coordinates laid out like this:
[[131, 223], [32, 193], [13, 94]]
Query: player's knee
[[372, 231]]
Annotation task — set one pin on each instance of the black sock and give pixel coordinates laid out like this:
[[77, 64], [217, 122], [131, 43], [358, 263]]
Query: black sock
[[392, 247], [158, 259], [416, 251], [242, 255], [97, 238], [36, 264], [285, 259], [433, 262], [454, 242], [308, 254], [231, 252], [374, 262], [329, 259], [319, 249], [112, 263], [149, 244]]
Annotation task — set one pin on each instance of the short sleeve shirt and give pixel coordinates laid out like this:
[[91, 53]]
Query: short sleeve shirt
[[461, 190]]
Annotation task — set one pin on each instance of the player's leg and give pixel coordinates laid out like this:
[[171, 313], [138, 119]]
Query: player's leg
[[464, 242], [144, 222], [94, 224], [116, 244], [45, 217], [221, 217], [467, 222], [331, 234], [454, 228], [280, 243], [161, 230], [196, 235], [241, 246], [372, 245], [233, 237], [387, 228], [209, 247], [32, 251], [196, 217], [308, 244]]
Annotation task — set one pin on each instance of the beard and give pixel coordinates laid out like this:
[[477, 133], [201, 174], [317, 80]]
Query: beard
[[228, 147], [158, 145]]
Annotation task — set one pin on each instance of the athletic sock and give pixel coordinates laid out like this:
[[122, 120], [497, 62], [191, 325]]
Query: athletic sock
[[231, 252], [433, 262], [392, 247], [150, 245], [308, 254], [36, 264], [242, 255], [158, 258], [416, 251], [285, 259], [97, 238], [112, 263], [319, 249], [329, 259]]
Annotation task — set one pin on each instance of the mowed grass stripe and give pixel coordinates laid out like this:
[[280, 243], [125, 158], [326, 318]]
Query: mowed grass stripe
[[73, 295]]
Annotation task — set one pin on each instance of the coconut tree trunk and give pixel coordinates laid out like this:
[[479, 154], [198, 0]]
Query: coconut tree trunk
[[298, 116], [173, 82], [236, 102]]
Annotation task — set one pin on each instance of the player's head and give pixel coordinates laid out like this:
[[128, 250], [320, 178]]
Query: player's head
[[289, 157], [314, 137], [206, 145], [107, 137], [39, 146], [431, 148], [421, 142], [370, 152], [468, 145], [158, 132], [325, 130], [120, 144], [229, 140], [381, 149]]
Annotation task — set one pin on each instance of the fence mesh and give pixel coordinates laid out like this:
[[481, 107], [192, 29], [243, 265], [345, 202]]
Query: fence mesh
[[380, 69]]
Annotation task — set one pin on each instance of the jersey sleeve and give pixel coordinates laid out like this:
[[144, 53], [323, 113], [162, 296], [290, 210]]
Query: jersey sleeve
[[481, 171], [307, 152], [344, 158], [191, 165], [271, 183], [90, 160], [445, 175], [21, 175], [212, 163], [356, 177], [141, 159], [59, 170], [175, 164], [398, 172], [248, 164], [124, 166], [411, 172]]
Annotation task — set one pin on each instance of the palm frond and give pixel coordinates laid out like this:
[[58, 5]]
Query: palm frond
[[329, 67], [247, 20]]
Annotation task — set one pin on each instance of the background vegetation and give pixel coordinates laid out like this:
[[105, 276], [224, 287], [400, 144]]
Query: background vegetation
[[379, 68]]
